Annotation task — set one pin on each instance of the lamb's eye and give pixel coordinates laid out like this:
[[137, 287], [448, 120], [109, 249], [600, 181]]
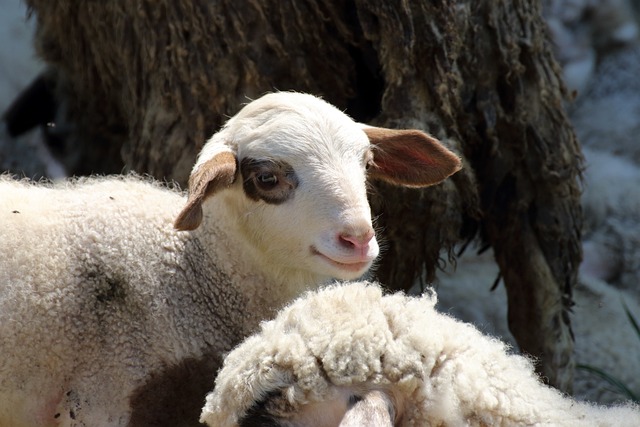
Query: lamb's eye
[[266, 180]]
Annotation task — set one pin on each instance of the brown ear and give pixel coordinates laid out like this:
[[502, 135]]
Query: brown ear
[[215, 174], [410, 157]]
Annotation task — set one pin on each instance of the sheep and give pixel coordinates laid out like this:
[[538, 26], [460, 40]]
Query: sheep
[[346, 355], [118, 296]]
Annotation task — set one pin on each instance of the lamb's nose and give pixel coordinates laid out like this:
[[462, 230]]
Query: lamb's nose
[[358, 241]]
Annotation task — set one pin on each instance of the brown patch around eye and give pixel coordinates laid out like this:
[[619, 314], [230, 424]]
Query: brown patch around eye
[[271, 181]]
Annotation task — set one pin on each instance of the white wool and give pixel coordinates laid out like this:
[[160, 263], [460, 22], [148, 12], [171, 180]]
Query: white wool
[[441, 372]]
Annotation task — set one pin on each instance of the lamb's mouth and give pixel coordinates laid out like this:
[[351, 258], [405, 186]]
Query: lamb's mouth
[[353, 266]]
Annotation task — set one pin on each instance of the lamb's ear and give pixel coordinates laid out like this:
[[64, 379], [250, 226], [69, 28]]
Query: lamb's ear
[[206, 179], [409, 157], [375, 409]]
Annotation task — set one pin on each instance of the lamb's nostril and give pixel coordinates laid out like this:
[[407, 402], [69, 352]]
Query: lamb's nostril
[[356, 240], [346, 241]]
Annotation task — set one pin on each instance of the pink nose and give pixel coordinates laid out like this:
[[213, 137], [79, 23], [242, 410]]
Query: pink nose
[[358, 241]]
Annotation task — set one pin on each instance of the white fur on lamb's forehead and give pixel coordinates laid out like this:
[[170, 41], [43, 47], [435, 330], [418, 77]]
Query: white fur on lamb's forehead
[[289, 101], [289, 124]]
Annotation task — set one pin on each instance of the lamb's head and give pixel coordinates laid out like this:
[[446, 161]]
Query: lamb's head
[[342, 356], [292, 170]]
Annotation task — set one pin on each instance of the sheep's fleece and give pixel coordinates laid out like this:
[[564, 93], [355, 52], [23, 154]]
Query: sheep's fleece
[[445, 371]]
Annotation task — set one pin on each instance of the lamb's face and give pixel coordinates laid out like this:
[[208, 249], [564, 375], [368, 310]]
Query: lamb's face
[[294, 173], [305, 200]]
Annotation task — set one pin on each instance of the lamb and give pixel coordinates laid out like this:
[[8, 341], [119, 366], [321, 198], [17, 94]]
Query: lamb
[[118, 296], [348, 356]]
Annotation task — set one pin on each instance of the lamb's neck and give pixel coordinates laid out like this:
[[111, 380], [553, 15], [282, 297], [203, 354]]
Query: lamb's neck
[[293, 282], [266, 285]]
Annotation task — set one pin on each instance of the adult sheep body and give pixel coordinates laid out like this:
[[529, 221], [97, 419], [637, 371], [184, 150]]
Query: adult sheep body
[[118, 296], [347, 356]]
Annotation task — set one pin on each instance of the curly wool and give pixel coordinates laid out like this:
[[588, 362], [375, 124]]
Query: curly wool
[[446, 371], [73, 317]]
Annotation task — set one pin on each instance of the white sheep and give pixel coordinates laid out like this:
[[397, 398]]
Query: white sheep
[[110, 316], [349, 356]]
